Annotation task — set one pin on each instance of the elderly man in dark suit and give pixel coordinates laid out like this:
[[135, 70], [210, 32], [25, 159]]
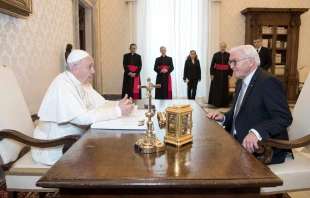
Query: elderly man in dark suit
[[260, 108], [264, 54]]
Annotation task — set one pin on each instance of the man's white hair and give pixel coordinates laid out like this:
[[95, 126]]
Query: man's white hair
[[75, 58], [249, 51], [70, 65]]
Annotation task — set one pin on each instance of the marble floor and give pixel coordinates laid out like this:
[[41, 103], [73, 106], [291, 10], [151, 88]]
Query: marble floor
[[210, 108]]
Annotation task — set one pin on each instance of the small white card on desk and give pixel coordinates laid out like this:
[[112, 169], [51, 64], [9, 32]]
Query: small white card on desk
[[130, 122]]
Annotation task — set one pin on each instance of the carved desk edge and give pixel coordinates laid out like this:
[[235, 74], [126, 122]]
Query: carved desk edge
[[159, 183], [265, 147]]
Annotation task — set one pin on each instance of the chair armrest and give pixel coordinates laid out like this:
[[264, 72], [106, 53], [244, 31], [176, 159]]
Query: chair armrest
[[265, 151], [20, 137]]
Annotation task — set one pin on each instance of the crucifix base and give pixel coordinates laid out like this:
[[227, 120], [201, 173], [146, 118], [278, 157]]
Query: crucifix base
[[149, 144]]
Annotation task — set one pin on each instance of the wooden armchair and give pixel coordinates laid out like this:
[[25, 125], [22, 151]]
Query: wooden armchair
[[232, 86], [16, 132], [302, 76], [295, 173]]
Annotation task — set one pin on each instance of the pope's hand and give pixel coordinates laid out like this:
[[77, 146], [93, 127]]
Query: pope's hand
[[126, 105], [125, 100]]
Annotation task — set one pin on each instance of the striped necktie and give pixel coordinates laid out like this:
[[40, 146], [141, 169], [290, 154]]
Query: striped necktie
[[238, 104]]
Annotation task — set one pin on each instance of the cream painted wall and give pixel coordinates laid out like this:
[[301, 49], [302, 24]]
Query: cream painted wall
[[34, 47], [115, 38], [232, 23], [115, 41]]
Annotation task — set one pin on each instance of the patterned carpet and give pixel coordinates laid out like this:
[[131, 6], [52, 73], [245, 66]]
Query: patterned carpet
[[3, 194]]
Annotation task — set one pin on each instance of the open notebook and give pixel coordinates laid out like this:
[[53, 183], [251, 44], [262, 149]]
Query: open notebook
[[130, 122]]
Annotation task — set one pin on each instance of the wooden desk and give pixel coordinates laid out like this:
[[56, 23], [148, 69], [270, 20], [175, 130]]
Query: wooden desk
[[104, 162]]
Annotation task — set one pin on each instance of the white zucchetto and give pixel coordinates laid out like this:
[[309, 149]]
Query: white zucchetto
[[76, 55]]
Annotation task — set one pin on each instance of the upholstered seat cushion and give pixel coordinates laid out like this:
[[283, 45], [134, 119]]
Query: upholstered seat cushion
[[295, 173], [24, 174], [14, 114], [232, 90], [232, 84]]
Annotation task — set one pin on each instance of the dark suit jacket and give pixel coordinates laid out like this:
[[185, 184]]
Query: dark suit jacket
[[264, 108], [192, 71], [265, 58]]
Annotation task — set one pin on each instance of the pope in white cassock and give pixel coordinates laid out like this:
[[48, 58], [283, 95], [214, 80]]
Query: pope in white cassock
[[70, 105]]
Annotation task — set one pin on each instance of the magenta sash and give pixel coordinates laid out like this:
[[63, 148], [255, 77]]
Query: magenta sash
[[136, 82], [223, 67], [169, 81]]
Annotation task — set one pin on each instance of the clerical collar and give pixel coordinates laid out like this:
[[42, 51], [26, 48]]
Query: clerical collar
[[79, 87], [73, 79]]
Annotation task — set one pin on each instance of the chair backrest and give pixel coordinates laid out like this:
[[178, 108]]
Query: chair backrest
[[232, 81], [301, 124], [303, 74], [14, 114]]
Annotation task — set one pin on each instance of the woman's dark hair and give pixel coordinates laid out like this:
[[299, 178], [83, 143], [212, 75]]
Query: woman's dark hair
[[189, 56]]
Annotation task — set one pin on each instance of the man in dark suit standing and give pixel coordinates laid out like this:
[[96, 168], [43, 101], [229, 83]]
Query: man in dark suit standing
[[260, 108], [264, 54]]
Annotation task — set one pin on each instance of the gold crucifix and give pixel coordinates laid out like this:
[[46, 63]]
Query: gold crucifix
[[149, 144]]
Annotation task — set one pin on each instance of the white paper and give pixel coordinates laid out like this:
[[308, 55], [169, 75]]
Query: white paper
[[130, 122]]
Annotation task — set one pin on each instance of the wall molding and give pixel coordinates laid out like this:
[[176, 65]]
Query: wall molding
[[92, 38], [16, 8]]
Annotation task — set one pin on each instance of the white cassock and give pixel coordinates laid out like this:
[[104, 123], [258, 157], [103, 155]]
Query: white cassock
[[68, 108]]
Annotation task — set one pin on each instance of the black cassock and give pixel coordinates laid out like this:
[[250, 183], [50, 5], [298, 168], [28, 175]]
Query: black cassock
[[128, 81], [165, 91], [219, 90]]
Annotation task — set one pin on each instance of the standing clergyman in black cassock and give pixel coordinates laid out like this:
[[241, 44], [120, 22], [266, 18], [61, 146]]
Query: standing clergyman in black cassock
[[132, 64], [220, 74], [163, 67]]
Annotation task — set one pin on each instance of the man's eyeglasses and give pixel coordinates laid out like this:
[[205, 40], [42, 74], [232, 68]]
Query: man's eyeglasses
[[234, 62]]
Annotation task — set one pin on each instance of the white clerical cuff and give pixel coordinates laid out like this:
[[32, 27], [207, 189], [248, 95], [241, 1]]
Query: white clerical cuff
[[221, 123], [256, 133], [118, 111]]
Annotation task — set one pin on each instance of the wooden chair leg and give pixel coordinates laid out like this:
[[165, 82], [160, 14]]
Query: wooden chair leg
[[12, 194], [42, 194]]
